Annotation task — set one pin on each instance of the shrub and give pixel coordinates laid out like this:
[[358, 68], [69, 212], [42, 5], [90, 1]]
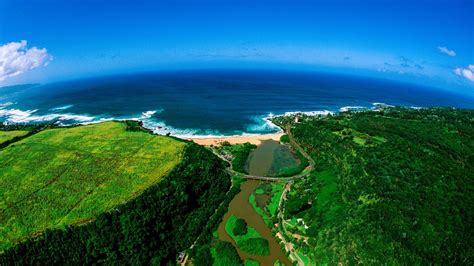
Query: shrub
[[240, 228], [257, 246], [227, 254], [285, 138]]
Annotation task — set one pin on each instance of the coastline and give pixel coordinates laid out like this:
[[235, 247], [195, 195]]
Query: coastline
[[257, 139], [17, 116], [253, 139]]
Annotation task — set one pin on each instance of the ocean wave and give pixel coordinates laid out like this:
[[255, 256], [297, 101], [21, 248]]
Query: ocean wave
[[352, 108], [28, 116], [308, 113], [12, 116], [149, 114], [61, 108], [3, 105], [382, 105], [262, 124], [160, 127]]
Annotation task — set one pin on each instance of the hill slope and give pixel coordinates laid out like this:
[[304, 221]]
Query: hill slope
[[67, 176], [393, 187]]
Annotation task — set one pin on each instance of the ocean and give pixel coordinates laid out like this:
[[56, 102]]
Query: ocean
[[210, 102]]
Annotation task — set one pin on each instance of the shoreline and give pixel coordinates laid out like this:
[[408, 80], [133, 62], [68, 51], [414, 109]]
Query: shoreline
[[16, 116], [253, 139]]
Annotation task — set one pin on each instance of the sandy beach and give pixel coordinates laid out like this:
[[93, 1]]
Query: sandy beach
[[254, 139]]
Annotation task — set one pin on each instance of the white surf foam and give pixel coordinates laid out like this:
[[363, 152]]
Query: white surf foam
[[3, 105], [352, 108], [28, 116], [382, 105], [160, 127], [308, 113]]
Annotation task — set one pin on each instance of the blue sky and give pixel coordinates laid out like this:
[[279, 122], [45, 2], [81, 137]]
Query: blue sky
[[424, 42]]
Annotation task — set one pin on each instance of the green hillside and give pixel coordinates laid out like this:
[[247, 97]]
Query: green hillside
[[391, 187], [67, 176]]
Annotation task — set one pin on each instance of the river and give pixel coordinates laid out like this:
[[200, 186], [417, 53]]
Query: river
[[259, 164]]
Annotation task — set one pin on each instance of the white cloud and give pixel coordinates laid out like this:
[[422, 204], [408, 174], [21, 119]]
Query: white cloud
[[465, 72], [445, 50], [16, 58]]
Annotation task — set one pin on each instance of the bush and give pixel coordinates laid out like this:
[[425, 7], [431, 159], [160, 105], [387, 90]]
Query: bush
[[285, 139], [227, 254], [240, 228], [203, 256], [257, 246]]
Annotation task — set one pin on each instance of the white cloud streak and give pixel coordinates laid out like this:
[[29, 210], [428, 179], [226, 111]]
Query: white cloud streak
[[445, 50], [16, 58], [467, 72]]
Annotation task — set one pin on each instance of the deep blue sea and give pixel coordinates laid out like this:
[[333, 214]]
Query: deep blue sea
[[209, 102]]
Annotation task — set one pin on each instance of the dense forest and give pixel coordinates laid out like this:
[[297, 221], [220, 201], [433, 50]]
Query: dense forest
[[152, 228], [393, 186]]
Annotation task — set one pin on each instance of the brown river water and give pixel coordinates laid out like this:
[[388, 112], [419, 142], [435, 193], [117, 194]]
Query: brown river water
[[259, 164]]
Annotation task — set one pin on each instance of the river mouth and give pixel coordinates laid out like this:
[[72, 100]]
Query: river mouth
[[271, 158], [260, 160]]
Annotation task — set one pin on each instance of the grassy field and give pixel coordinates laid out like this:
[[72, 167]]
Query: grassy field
[[69, 175], [251, 242], [8, 135]]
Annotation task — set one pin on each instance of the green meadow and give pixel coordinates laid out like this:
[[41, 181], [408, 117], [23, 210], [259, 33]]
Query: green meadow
[[64, 176]]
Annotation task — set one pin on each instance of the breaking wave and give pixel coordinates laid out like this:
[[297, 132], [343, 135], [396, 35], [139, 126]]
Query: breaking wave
[[262, 124], [29, 116], [61, 108]]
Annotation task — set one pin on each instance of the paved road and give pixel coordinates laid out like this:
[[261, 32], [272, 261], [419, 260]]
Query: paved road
[[281, 219], [281, 208], [298, 147]]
